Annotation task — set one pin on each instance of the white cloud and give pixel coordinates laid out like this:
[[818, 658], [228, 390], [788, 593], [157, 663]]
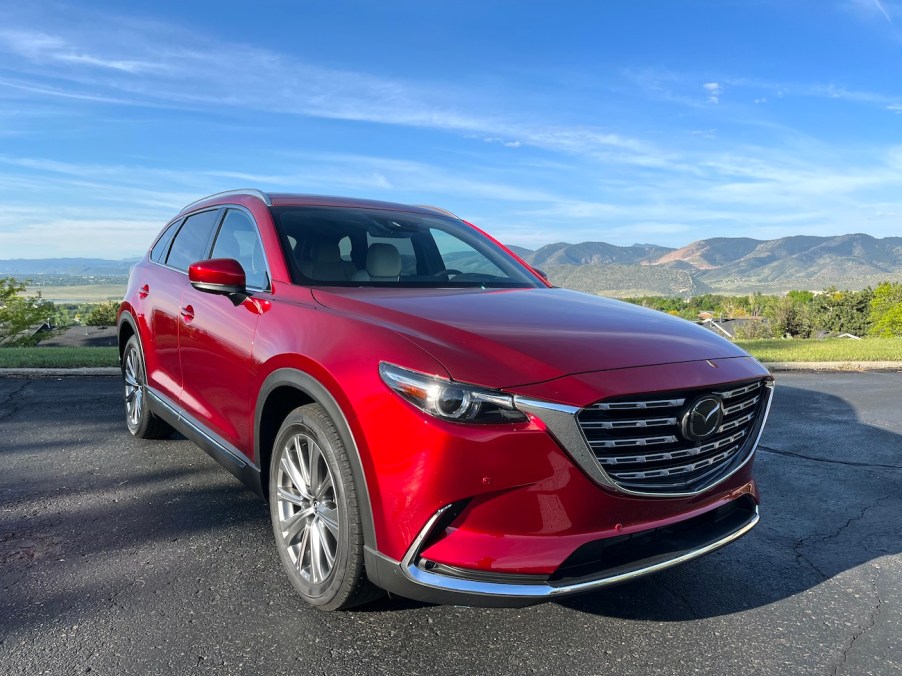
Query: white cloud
[[714, 90], [101, 62]]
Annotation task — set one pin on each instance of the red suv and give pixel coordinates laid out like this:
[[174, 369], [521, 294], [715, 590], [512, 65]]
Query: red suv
[[427, 415]]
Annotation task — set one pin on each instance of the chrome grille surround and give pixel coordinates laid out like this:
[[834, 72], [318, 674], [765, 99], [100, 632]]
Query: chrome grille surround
[[638, 447]]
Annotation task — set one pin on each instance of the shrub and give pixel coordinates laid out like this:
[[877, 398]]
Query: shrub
[[19, 312], [886, 310], [103, 314]]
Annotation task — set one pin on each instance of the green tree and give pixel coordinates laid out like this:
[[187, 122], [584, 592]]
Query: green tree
[[20, 312], [103, 314], [886, 310], [837, 311], [791, 317]]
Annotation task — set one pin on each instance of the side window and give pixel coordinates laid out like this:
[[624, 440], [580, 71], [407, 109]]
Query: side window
[[159, 249], [190, 244], [404, 245], [458, 255], [238, 239]]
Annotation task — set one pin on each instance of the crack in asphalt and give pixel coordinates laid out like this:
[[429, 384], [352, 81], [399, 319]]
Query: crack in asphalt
[[13, 403], [797, 547], [869, 622], [802, 456]]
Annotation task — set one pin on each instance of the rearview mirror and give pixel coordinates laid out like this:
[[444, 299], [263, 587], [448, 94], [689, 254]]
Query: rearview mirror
[[223, 276]]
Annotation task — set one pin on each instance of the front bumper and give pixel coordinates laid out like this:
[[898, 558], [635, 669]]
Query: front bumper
[[597, 565]]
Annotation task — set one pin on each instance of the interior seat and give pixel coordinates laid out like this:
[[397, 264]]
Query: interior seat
[[383, 264], [325, 264]]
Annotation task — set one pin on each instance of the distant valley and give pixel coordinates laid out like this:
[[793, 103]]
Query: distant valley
[[727, 265]]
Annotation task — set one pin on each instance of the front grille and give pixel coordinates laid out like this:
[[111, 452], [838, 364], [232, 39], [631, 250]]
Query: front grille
[[640, 443]]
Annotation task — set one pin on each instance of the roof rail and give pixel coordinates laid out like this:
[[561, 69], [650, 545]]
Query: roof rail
[[250, 192], [440, 210]]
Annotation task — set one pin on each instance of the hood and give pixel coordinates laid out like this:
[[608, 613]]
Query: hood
[[508, 337]]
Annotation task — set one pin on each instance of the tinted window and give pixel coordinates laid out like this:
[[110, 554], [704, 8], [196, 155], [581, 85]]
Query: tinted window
[[159, 249], [404, 245], [458, 255], [191, 241], [238, 239], [376, 247]]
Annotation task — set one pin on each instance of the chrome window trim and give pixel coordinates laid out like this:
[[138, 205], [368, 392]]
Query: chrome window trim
[[541, 591], [561, 422]]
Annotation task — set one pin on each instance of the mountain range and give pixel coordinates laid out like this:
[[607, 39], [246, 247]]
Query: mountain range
[[729, 265]]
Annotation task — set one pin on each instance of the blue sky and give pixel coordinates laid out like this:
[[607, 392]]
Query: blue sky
[[639, 121]]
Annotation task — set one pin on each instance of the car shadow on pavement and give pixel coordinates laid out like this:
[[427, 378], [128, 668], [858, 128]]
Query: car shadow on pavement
[[830, 502]]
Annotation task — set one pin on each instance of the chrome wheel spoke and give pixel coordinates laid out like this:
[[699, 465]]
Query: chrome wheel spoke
[[290, 470], [316, 458], [328, 549], [316, 552], [329, 518], [297, 500], [302, 550], [293, 525]]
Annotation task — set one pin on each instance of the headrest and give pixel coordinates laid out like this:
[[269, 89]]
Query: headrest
[[326, 252], [383, 260]]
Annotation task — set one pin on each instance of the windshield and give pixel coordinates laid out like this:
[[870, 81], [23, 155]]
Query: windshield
[[376, 247]]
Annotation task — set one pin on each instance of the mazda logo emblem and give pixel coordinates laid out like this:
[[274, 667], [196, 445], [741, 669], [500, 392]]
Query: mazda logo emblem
[[702, 418]]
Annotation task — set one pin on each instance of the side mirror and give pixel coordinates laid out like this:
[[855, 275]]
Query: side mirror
[[223, 276], [541, 273]]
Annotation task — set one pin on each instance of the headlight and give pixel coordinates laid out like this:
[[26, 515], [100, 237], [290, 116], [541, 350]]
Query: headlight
[[449, 400]]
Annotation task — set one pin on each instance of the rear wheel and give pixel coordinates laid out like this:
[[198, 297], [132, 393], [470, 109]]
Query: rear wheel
[[141, 421], [315, 512]]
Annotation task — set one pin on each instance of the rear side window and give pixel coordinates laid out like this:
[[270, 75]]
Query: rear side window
[[192, 240], [159, 249]]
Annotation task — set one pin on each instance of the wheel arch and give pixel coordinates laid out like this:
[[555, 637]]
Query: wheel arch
[[286, 389], [126, 328]]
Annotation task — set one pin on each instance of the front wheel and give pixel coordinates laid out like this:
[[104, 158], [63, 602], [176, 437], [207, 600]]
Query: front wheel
[[141, 421], [315, 512]]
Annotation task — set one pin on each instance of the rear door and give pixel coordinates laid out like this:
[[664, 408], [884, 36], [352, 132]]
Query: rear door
[[164, 290]]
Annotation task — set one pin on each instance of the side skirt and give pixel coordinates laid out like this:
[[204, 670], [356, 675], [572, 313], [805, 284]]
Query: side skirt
[[215, 446]]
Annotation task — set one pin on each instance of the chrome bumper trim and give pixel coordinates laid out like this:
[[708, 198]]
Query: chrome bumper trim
[[542, 591]]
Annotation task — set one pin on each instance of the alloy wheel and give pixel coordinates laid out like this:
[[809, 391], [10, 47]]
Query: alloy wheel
[[134, 387], [307, 509]]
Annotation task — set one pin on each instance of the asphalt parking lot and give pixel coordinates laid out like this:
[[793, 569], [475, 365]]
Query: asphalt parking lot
[[125, 556]]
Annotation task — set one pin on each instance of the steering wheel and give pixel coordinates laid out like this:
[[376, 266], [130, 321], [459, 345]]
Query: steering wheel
[[448, 272]]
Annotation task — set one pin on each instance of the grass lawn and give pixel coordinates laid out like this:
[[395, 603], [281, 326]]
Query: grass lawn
[[57, 357], [829, 349]]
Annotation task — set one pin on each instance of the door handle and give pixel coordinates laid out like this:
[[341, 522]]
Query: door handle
[[143, 291], [187, 313]]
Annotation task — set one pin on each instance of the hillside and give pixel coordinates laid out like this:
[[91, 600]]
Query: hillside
[[725, 265], [86, 267]]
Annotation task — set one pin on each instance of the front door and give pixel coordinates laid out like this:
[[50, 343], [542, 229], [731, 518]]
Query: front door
[[216, 339]]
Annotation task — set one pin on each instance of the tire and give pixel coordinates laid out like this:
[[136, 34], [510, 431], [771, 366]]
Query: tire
[[140, 420], [316, 514]]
